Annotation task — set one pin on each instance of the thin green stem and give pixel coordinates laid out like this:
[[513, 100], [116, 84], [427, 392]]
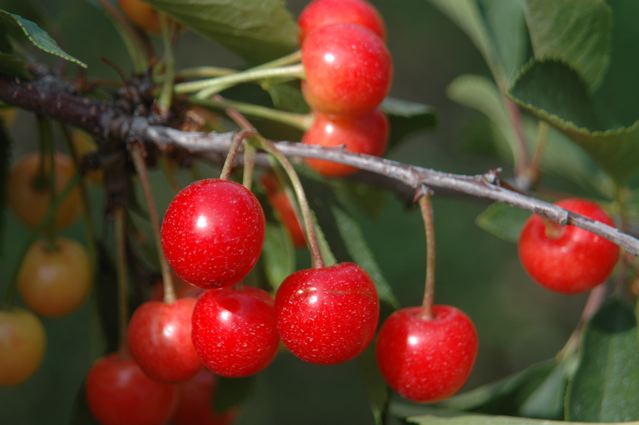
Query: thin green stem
[[208, 87], [122, 271], [236, 144], [140, 168], [289, 59], [204, 72], [166, 96], [311, 237], [11, 290], [426, 208], [249, 165], [89, 225], [300, 121]]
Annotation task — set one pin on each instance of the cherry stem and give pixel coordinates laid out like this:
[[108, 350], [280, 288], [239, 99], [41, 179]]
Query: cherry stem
[[311, 236], [140, 168], [132, 40], [300, 121], [204, 72], [236, 144], [123, 310], [168, 29], [249, 165], [210, 86], [10, 293], [89, 225], [48, 151], [425, 205]]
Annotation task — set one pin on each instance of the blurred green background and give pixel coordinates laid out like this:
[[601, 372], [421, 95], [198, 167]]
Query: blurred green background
[[518, 322]]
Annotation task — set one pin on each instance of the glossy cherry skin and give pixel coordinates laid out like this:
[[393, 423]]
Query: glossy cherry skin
[[22, 344], [119, 393], [321, 13], [234, 330], [196, 401], [142, 15], [281, 204], [423, 359], [567, 259], [366, 134], [212, 233], [31, 203], [327, 315], [55, 280], [159, 339], [348, 69]]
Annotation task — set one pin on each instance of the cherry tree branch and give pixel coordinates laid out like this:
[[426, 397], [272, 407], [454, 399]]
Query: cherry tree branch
[[52, 97]]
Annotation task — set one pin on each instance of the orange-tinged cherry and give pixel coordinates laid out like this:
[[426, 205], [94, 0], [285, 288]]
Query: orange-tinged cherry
[[119, 393], [142, 15], [320, 13], [365, 134], [30, 199], [55, 278], [568, 259], [426, 359], [22, 344]]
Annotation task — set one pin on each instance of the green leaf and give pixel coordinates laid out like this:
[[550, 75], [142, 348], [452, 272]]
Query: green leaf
[[360, 252], [606, 384], [257, 30], [369, 199], [575, 32], [232, 392], [503, 221], [481, 94], [325, 248], [452, 418], [278, 254], [29, 30], [506, 26], [406, 118], [467, 16], [554, 93]]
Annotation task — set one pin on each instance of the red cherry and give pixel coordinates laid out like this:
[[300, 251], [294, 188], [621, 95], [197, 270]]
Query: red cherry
[[367, 134], [327, 315], [195, 401], [348, 69], [567, 259], [118, 393], [159, 339], [426, 359], [321, 13], [234, 330], [212, 233]]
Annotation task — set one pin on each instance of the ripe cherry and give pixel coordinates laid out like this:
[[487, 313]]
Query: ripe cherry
[[327, 315], [118, 393], [426, 359], [281, 204], [159, 339], [55, 278], [320, 13], [30, 199], [22, 343], [348, 69], [212, 233], [234, 330], [567, 259], [367, 134], [195, 402], [142, 15]]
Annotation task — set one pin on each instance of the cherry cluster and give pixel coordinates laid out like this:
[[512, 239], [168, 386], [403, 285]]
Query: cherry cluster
[[348, 73]]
